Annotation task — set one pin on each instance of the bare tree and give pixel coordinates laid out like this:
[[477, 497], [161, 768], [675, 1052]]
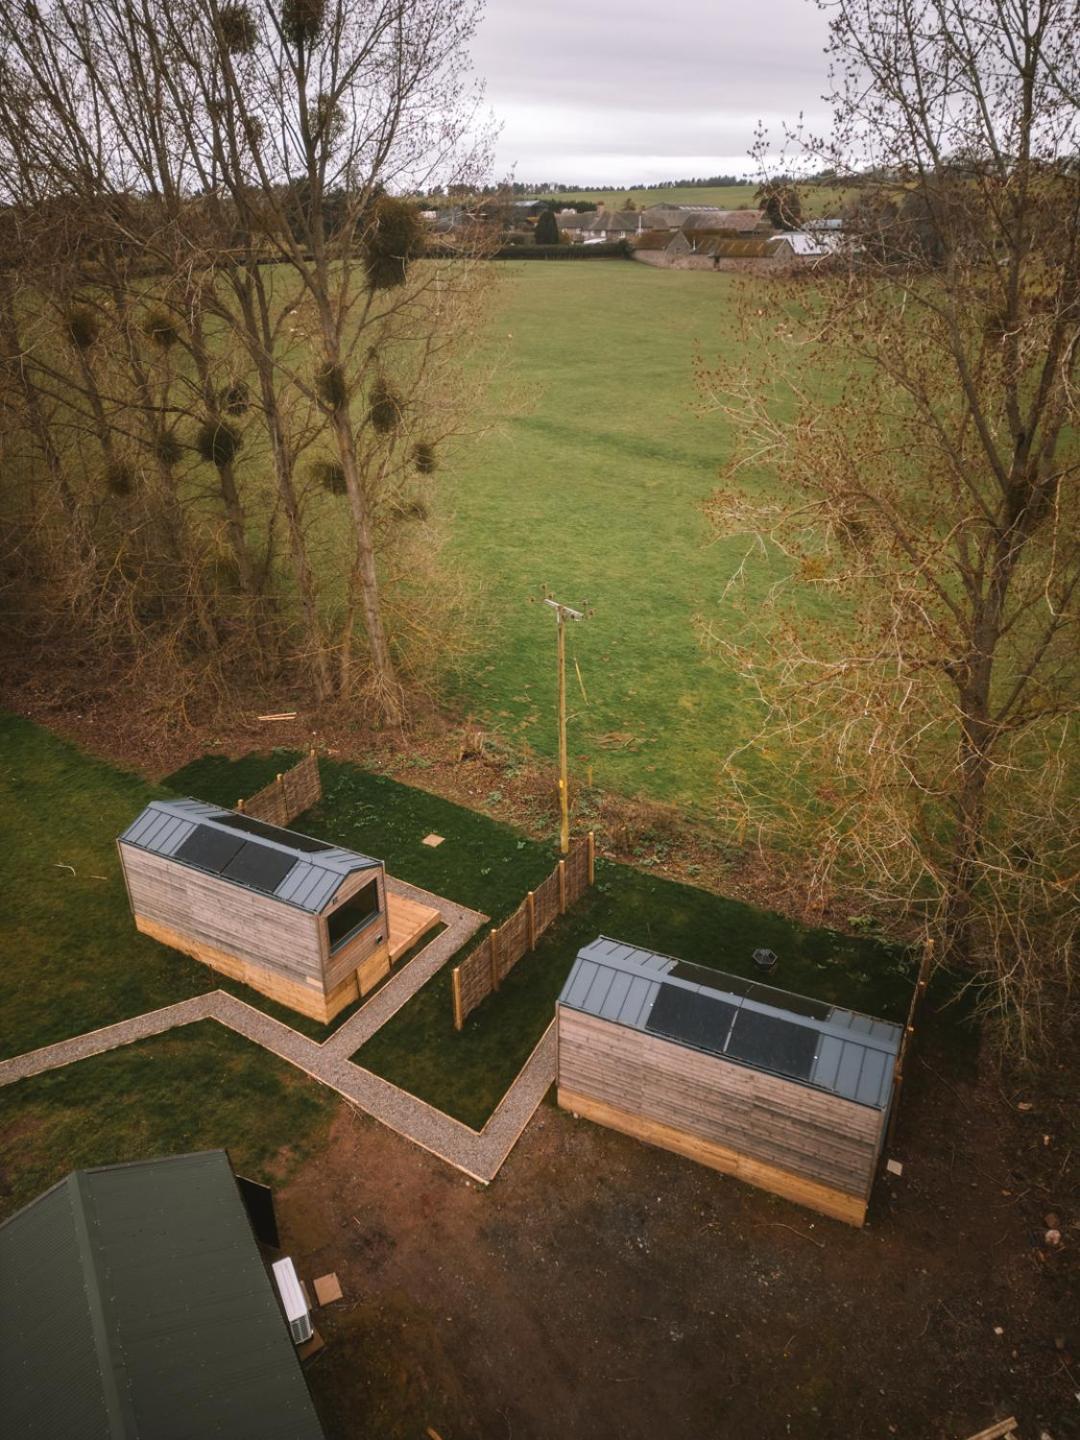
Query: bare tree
[[930, 703], [231, 164]]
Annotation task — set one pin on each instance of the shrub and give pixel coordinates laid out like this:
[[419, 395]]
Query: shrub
[[331, 476], [547, 229], [424, 457], [330, 386], [217, 442], [238, 29], [394, 236], [409, 510], [168, 449], [161, 329], [119, 478], [302, 20], [386, 408], [235, 398], [83, 327]]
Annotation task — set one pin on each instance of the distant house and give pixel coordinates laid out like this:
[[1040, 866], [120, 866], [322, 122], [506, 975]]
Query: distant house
[[685, 217], [610, 225], [137, 1305], [803, 245]]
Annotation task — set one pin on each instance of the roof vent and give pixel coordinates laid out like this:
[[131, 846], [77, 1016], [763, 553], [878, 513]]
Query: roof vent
[[292, 1300], [765, 959]]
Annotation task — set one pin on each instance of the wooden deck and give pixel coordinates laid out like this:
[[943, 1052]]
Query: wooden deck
[[408, 921]]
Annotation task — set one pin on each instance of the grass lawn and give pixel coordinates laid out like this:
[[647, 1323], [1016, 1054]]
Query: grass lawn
[[466, 1074], [73, 960], [482, 863], [199, 1088], [596, 492]]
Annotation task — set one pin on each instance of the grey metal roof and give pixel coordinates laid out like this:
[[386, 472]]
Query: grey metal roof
[[852, 1055], [311, 883], [136, 1304]]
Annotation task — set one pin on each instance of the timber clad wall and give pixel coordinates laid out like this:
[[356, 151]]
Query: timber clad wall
[[224, 916], [279, 950], [815, 1148]]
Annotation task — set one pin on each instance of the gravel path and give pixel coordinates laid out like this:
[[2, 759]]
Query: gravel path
[[478, 1154]]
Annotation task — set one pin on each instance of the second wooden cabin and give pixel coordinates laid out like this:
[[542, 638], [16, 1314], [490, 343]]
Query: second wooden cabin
[[787, 1093], [297, 919]]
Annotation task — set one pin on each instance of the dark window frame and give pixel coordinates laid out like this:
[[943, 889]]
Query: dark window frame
[[362, 924]]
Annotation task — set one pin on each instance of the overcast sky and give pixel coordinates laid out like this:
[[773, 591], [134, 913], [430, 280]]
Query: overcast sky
[[624, 91]]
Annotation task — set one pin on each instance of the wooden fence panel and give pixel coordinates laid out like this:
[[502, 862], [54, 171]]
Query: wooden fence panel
[[486, 967], [577, 872], [473, 982], [302, 786], [513, 940], [546, 902], [287, 795]]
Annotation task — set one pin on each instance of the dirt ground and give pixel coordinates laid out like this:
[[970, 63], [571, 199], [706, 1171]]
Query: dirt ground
[[602, 1288]]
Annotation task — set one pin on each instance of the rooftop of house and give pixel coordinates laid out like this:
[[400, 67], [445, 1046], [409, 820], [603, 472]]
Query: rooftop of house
[[748, 1022], [136, 1303], [284, 864]]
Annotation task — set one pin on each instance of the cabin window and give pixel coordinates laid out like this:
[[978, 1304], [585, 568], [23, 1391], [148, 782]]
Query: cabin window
[[344, 923]]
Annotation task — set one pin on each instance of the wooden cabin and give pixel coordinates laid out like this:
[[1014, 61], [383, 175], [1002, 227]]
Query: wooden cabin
[[297, 919], [787, 1093]]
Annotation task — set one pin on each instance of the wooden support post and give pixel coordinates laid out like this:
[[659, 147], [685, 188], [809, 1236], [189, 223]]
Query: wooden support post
[[562, 887], [493, 942], [530, 913], [894, 1108], [455, 979], [564, 793], [592, 858]]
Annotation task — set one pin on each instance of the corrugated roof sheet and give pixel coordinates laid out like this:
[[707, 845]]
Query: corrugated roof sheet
[[136, 1304], [850, 1054], [811, 246], [310, 883]]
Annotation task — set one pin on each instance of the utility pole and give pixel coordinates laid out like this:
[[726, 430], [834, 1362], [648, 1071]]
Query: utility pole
[[562, 614]]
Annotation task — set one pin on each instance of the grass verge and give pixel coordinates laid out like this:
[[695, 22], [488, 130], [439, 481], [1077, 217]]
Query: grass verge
[[198, 1088], [73, 959]]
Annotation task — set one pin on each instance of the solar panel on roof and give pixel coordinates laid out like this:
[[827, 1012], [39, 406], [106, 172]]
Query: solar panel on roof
[[259, 867], [784, 1000], [712, 979], [687, 1015], [208, 849], [770, 1043], [260, 828]]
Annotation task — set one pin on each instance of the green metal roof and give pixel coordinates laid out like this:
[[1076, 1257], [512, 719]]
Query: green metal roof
[[136, 1304]]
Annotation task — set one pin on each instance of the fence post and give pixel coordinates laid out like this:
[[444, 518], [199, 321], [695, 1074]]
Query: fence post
[[592, 858], [530, 913], [562, 887], [455, 979], [493, 942]]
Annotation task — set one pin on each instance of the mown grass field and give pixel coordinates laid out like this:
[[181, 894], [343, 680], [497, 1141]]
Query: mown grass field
[[595, 490]]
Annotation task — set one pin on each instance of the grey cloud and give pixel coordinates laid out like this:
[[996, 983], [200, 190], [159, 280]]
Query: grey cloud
[[644, 91]]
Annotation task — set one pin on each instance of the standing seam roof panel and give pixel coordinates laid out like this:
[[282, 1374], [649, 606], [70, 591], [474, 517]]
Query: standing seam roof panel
[[853, 1055]]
